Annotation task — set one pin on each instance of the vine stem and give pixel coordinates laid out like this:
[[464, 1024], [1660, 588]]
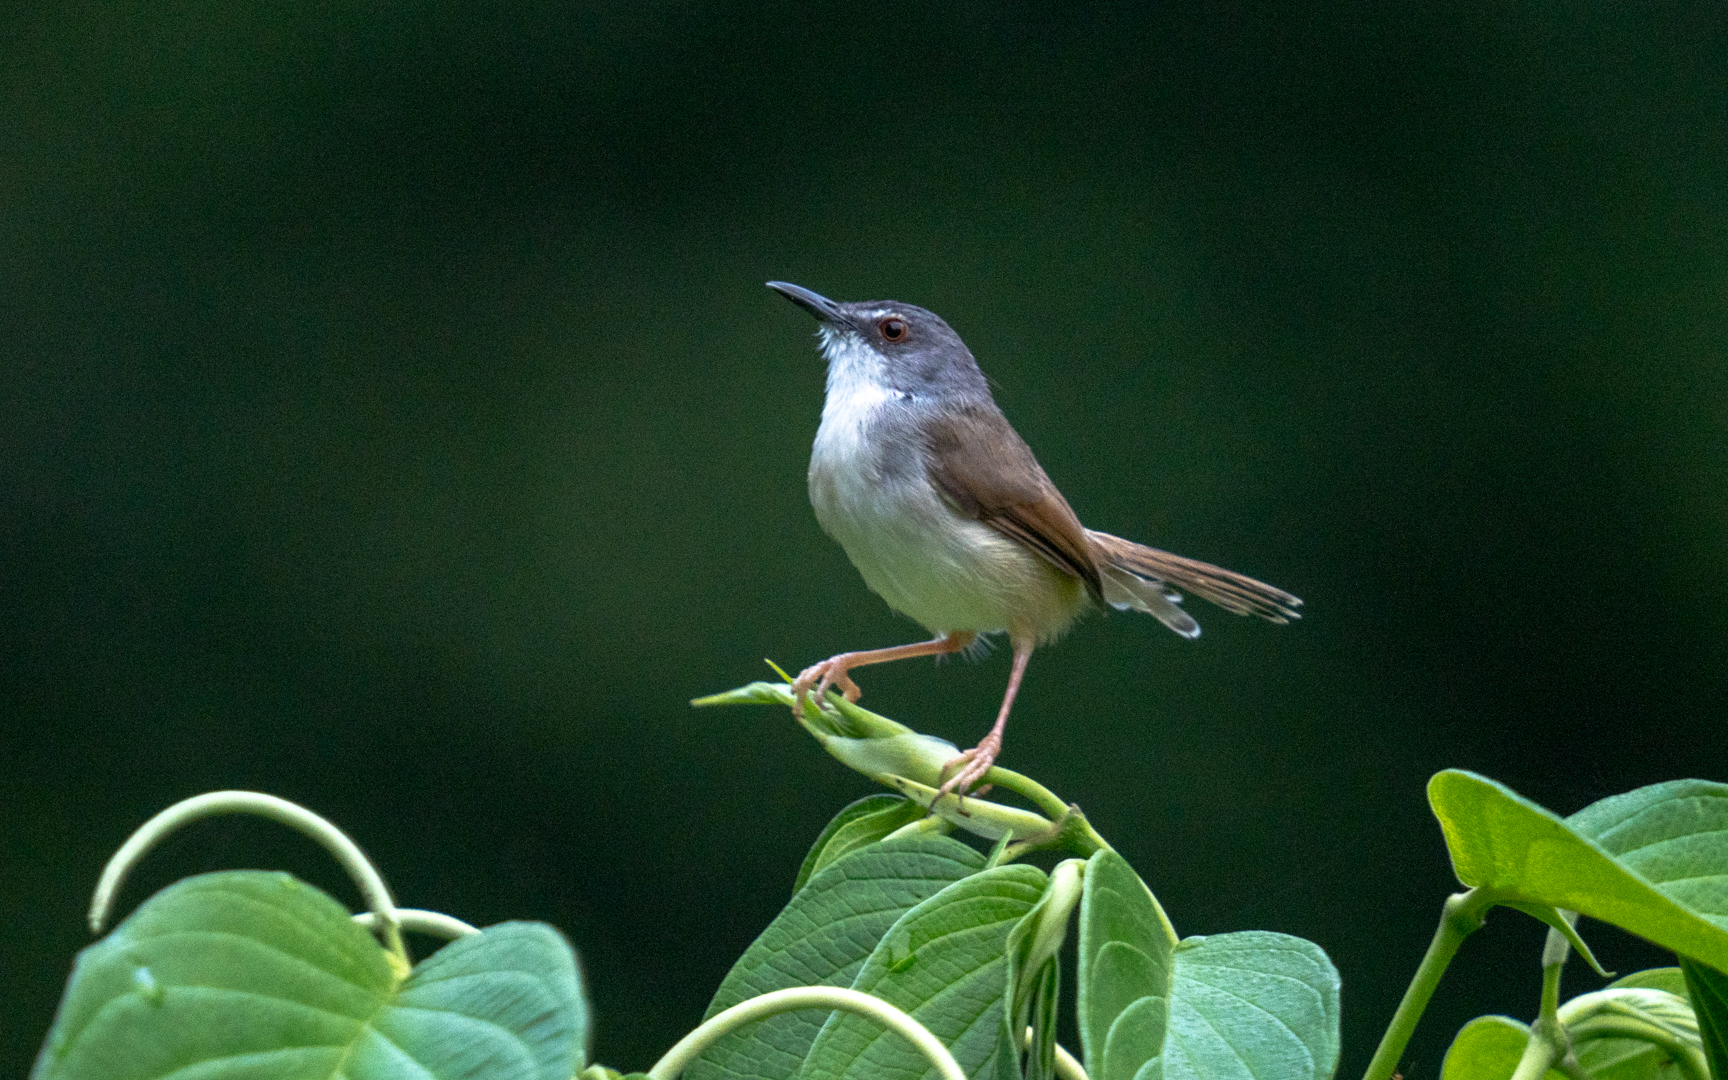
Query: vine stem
[[1460, 917], [1548, 1044], [419, 921], [1034, 792], [805, 997], [214, 803]]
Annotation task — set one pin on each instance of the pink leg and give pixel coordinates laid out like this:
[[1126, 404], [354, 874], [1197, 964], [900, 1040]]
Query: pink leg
[[832, 671], [977, 761]]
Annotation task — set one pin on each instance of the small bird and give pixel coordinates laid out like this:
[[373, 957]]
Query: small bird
[[949, 518]]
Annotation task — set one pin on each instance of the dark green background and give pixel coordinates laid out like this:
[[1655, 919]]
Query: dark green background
[[392, 418]]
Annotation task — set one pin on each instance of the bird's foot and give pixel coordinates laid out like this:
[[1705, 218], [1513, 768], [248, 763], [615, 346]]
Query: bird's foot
[[973, 763], [829, 673]]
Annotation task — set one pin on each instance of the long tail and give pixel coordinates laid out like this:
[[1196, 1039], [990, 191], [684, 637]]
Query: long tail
[[1138, 577]]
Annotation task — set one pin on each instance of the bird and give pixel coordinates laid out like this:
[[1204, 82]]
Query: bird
[[948, 517]]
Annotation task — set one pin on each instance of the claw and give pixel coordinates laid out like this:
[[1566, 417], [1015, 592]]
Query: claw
[[974, 764], [822, 677]]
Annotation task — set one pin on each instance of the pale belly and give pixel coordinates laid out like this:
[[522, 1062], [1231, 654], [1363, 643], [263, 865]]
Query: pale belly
[[927, 561]]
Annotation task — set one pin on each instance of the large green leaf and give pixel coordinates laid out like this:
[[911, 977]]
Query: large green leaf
[[1673, 835], [821, 938], [256, 975], [1653, 861], [1251, 1004], [944, 962]]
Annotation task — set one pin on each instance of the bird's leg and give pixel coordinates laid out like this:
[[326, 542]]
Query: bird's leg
[[832, 671], [974, 763]]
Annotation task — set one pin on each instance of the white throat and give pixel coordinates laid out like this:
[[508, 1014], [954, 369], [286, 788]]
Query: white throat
[[855, 396]]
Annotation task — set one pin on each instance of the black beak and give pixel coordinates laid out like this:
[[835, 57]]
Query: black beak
[[815, 303]]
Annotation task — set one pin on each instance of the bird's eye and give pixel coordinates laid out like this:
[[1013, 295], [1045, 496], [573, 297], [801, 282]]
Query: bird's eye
[[892, 329]]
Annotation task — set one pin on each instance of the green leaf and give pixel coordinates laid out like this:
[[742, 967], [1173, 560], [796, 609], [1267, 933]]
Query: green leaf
[[252, 974], [1623, 1059], [1653, 861], [1543, 913], [1488, 1048], [943, 962], [822, 938], [1633, 1059], [1632, 1033], [1670, 979], [1251, 1004], [1125, 969], [864, 822], [1708, 990]]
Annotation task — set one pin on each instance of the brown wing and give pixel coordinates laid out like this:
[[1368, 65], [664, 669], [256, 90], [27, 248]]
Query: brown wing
[[986, 471]]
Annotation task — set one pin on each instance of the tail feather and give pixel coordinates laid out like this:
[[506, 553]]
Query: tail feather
[[1126, 591], [1231, 591]]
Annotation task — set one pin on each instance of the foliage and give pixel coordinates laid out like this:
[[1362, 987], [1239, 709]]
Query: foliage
[[248, 973], [904, 953]]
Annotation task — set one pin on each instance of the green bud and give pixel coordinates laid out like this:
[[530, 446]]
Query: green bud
[[979, 817]]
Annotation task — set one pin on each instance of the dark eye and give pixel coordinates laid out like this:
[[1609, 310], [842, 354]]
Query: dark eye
[[892, 329]]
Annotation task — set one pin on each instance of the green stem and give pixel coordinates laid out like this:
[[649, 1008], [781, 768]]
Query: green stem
[[1071, 832], [1540, 1055], [1549, 1010], [1459, 918], [1034, 792], [1548, 1044]]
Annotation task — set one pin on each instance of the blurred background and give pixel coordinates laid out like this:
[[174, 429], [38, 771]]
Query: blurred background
[[392, 418]]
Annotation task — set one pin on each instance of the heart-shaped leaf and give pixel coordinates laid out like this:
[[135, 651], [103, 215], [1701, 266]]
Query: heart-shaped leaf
[[821, 938], [945, 963], [1670, 979], [246, 974]]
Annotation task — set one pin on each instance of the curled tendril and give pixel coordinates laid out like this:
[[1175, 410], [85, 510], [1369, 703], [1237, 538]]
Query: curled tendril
[[806, 997], [385, 917]]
